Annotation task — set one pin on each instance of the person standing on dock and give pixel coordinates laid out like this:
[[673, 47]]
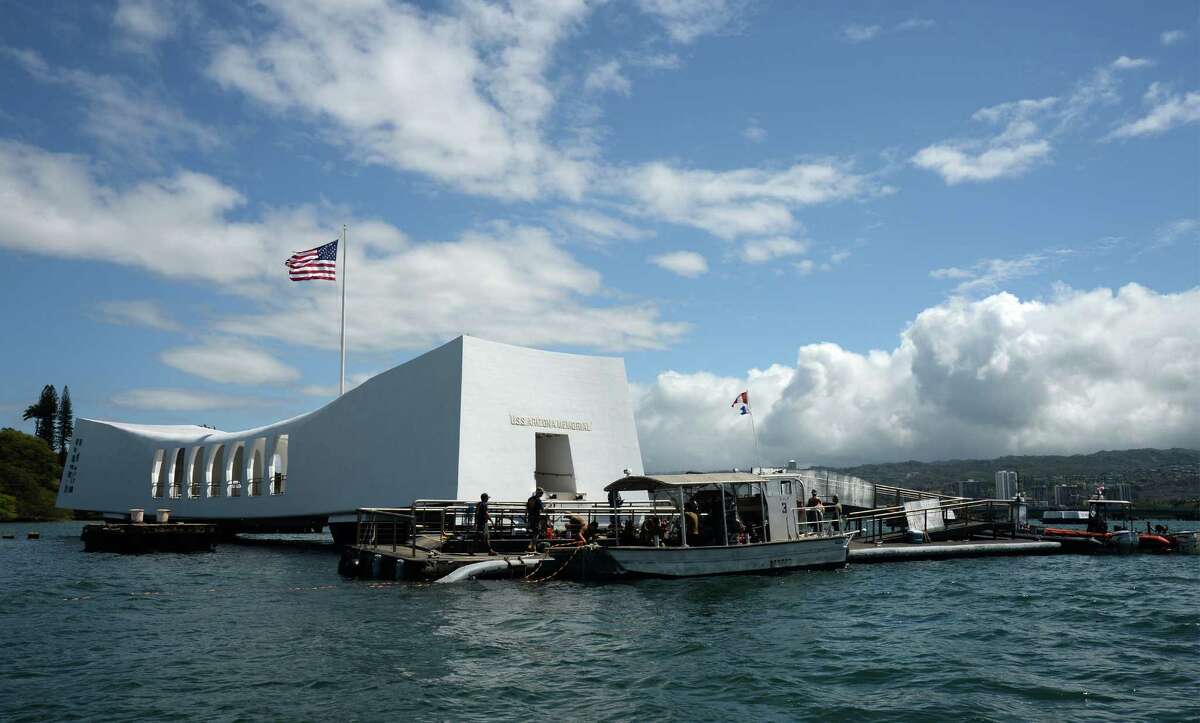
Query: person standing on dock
[[483, 523], [816, 513], [533, 517], [835, 513]]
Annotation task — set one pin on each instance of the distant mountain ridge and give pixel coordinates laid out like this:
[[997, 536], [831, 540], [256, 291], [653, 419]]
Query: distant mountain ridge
[[1156, 474]]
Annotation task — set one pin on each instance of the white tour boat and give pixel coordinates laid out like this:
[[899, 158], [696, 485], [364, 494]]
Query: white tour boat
[[722, 524]]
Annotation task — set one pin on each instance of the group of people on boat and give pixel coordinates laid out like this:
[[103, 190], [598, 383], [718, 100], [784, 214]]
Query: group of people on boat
[[710, 517], [821, 518]]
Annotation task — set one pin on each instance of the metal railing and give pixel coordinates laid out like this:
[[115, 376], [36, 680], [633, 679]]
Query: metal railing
[[369, 521], [900, 495], [510, 517], [953, 514], [443, 519]]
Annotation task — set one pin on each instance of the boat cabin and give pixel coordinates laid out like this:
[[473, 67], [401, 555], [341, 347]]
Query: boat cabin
[[1101, 511], [717, 509]]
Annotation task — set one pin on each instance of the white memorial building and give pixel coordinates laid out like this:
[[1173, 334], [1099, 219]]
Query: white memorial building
[[471, 416]]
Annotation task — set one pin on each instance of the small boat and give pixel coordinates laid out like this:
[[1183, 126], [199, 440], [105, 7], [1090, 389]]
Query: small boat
[[1150, 542], [1121, 540], [1187, 542], [722, 524]]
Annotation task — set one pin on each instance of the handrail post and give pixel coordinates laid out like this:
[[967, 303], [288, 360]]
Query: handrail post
[[413, 524]]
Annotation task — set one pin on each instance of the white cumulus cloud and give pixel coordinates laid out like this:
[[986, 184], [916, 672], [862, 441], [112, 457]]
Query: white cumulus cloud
[[515, 285], [141, 24], [687, 20], [859, 33], [754, 132], [960, 163], [988, 275], [1080, 372], [141, 312], [131, 121], [510, 284], [602, 225], [183, 400], [1025, 130], [1127, 63], [230, 361], [1165, 110], [745, 201], [1016, 148], [760, 251], [1171, 37], [607, 77], [462, 96], [685, 263]]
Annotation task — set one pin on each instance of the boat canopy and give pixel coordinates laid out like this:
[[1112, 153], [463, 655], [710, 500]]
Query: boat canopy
[[647, 483]]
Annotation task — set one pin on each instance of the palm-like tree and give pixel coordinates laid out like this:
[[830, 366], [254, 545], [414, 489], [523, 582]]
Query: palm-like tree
[[44, 412]]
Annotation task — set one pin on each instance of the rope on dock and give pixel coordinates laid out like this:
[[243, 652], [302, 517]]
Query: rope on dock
[[554, 574]]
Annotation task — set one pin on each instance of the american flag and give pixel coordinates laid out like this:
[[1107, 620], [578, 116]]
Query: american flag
[[314, 264]]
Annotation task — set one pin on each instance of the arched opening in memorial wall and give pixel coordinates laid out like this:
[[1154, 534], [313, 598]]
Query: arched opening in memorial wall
[[237, 470], [156, 475], [197, 476], [279, 463], [216, 472], [257, 470], [178, 472]]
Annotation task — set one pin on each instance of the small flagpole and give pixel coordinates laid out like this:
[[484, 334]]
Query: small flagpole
[[345, 266]]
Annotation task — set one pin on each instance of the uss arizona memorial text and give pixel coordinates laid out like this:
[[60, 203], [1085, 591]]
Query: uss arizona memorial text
[[549, 423]]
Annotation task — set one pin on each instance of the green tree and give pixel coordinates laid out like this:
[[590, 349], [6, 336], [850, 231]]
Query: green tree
[[43, 414], [66, 424], [29, 476]]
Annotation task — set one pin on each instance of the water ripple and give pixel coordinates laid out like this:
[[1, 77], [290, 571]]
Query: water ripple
[[256, 633]]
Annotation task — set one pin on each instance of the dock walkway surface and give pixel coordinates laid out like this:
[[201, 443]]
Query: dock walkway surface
[[869, 552]]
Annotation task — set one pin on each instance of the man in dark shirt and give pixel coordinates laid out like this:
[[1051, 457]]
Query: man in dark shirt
[[483, 523], [533, 517]]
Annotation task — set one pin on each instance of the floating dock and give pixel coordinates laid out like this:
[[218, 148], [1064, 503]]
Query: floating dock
[[866, 552], [388, 562], [137, 537]]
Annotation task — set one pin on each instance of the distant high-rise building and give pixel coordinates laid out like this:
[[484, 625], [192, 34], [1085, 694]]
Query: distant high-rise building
[[973, 488], [1006, 484], [1069, 495]]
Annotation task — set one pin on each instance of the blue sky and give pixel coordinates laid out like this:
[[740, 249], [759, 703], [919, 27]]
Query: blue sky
[[727, 194]]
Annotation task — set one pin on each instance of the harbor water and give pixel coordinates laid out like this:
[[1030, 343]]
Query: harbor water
[[253, 633]]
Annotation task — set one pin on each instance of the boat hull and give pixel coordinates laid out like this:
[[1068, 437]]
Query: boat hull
[[1123, 542], [671, 562]]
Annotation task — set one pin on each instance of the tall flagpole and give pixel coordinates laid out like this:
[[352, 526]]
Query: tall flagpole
[[345, 266]]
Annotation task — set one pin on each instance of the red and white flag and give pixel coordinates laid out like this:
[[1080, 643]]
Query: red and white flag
[[319, 264], [742, 402]]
